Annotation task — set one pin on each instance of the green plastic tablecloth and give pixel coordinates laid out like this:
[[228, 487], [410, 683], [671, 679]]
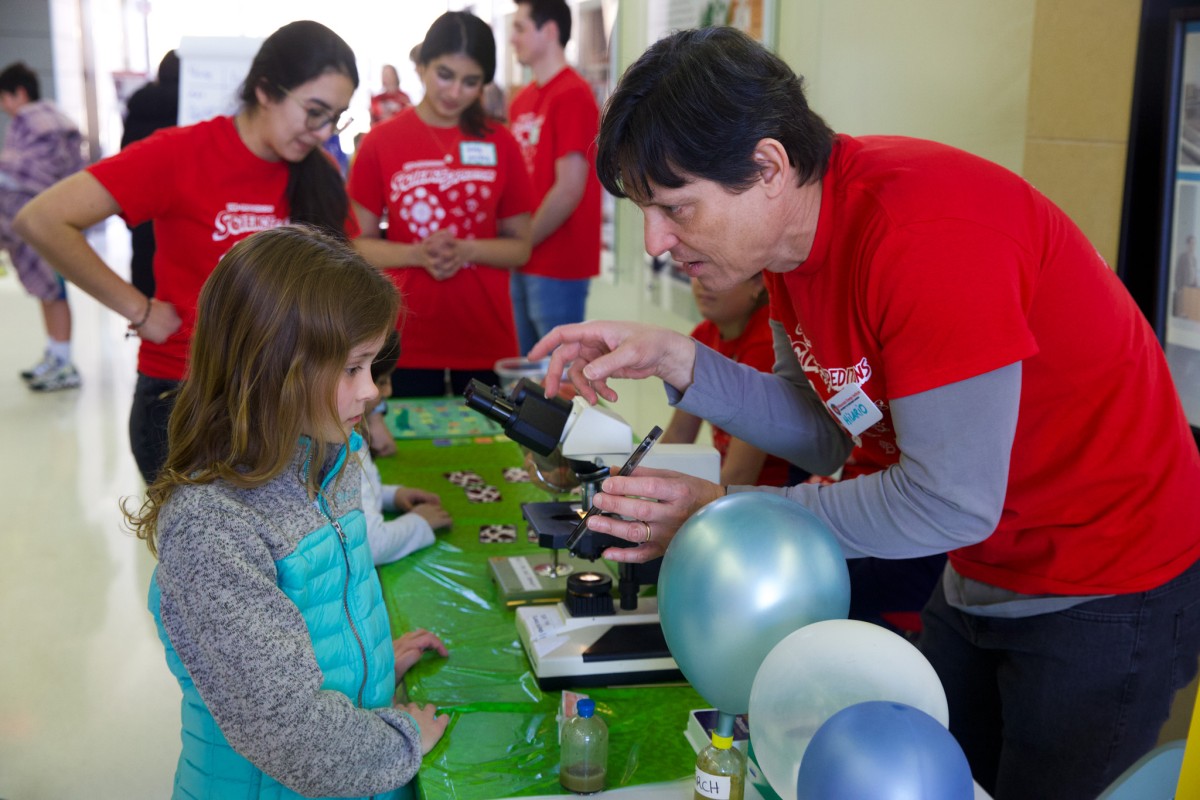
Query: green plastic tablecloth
[[503, 736]]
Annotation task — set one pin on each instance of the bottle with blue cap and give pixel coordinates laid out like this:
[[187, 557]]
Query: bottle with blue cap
[[584, 750]]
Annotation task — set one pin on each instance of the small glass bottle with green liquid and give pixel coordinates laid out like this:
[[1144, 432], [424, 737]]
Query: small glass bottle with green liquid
[[720, 771], [584, 750]]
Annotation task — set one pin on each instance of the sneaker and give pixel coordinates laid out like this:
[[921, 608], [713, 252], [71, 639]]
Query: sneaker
[[39, 369], [62, 376]]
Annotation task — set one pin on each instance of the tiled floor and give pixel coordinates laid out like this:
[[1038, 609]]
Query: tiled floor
[[87, 707]]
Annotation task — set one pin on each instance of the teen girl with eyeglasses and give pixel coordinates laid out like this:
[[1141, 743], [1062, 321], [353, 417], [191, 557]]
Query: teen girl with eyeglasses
[[206, 187]]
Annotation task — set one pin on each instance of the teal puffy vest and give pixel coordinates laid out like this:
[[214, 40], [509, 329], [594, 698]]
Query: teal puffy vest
[[314, 576]]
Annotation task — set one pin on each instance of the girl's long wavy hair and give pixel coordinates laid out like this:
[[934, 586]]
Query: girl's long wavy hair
[[275, 323]]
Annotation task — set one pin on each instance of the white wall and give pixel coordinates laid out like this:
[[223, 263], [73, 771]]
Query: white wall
[[955, 71], [379, 33], [25, 36]]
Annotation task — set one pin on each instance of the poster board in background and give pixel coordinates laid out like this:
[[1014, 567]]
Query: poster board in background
[[211, 69], [754, 17], [1178, 279]]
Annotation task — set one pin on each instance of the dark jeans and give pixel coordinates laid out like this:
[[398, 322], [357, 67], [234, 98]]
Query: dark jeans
[[881, 585], [437, 382], [1058, 705], [153, 399]]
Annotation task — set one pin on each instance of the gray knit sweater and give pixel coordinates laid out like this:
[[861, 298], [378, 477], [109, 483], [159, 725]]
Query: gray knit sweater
[[249, 579]]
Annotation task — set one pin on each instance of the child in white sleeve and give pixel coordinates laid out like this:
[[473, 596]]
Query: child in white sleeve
[[392, 539]]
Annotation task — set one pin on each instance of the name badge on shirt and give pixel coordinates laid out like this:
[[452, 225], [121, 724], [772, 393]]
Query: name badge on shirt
[[853, 409], [477, 154]]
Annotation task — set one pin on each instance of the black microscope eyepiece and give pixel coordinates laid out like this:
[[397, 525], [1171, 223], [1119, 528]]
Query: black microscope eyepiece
[[527, 416]]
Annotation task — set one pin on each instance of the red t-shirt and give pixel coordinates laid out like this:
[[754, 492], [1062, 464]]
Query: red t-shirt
[[550, 122], [755, 349], [939, 266], [432, 178], [205, 192]]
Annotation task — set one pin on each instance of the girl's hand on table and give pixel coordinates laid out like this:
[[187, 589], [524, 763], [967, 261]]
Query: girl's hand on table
[[426, 504], [409, 648], [437, 517], [432, 726], [407, 499]]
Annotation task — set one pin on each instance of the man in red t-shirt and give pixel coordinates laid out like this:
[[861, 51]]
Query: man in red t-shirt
[[555, 119], [391, 101], [935, 311]]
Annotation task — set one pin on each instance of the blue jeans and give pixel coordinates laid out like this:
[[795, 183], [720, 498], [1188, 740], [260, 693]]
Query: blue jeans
[[1058, 705], [153, 399], [540, 303]]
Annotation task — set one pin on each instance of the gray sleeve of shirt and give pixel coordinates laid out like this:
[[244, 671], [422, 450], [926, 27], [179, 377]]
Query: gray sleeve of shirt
[[776, 412], [246, 647], [948, 488]]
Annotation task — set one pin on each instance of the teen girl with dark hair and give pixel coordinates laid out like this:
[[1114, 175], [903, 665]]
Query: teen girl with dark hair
[[458, 202], [205, 186]]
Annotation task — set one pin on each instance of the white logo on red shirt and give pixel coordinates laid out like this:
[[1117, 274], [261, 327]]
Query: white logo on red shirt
[[433, 196], [836, 378], [243, 219], [527, 128], [441, 176]]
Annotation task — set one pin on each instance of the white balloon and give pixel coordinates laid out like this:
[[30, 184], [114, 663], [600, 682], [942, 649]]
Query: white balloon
[[818, 670]]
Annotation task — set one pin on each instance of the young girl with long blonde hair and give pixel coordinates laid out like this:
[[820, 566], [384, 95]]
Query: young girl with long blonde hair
[[265, 595]]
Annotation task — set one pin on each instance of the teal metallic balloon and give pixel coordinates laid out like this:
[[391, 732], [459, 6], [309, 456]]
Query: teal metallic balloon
[[740, 575]]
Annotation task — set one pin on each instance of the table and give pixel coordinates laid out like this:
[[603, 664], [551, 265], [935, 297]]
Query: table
[[502, 737]]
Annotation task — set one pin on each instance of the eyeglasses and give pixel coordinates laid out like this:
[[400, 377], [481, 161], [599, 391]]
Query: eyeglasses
[[317, 117]]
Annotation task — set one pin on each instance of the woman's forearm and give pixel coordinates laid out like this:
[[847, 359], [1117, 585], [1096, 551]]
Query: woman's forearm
[[53, 223], [505, 252], [382, 253]]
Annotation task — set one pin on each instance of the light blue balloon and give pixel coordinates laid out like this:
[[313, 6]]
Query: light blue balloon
[[880, 750], [740, 575]]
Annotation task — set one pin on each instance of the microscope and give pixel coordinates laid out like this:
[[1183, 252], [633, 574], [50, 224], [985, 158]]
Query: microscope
[[587, 639]]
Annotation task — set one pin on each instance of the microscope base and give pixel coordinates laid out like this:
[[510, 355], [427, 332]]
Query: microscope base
[[619, 650]]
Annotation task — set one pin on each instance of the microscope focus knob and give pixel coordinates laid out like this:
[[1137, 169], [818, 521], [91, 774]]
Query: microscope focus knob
[[589, 594]]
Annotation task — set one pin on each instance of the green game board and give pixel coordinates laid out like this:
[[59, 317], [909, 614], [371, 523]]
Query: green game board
[[436, 418]]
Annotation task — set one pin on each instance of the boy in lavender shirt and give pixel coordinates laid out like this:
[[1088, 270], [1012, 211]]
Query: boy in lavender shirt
[[41, 147]]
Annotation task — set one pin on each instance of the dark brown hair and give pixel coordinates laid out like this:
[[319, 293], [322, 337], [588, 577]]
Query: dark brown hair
[[463, 33], [695, 105], [295, 54]]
